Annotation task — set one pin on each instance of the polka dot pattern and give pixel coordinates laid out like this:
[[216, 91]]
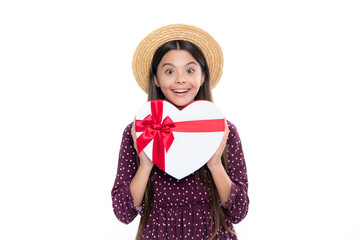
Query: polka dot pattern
[[181, 207]]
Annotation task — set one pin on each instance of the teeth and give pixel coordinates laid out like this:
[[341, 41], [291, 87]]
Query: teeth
[[180, 91]]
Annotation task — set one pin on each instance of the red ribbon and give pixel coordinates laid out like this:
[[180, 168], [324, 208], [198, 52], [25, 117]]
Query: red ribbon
[[162, 132]]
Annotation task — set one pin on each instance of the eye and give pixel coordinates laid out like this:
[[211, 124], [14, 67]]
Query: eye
[[169, 71], [190, 70]]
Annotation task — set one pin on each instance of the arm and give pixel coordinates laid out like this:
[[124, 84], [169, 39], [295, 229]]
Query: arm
[[122, 198], [139, 182], [221, 179], [222, 183], [237, 204]]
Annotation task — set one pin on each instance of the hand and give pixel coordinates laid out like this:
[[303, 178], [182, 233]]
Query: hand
[[145, 162], [215, 160]]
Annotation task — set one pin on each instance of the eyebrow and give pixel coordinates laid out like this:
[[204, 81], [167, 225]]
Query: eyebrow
[[170, 64]]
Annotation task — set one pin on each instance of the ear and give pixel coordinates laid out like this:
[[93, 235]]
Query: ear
[[202, 78], [156, 81]]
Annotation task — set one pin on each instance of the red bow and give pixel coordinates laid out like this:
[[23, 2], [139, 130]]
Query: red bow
[[161, 132]]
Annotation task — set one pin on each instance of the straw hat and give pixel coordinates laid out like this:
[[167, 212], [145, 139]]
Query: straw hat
[[145, 50]]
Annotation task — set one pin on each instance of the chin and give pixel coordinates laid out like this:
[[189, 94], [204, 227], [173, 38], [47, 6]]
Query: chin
[[180, 103], [181, 106]]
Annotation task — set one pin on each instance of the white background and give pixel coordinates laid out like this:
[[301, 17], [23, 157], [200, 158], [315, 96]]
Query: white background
[[289, 85]]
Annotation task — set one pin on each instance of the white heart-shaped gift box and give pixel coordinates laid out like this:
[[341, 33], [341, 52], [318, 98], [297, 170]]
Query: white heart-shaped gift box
[[179, 141]]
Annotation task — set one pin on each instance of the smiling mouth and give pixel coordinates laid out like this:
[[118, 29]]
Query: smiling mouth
[[179, 91]]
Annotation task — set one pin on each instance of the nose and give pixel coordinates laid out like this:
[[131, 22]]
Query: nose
[[180, 79]]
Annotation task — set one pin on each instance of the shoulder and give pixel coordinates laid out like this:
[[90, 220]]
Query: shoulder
[[127, 133], [127, 129], [232, 127], [233, 132]]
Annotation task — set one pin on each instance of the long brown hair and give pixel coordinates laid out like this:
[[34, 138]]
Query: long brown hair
[[216, 213]]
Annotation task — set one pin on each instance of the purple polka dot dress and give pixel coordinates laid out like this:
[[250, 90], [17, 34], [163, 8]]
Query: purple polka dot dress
[[181, 207]]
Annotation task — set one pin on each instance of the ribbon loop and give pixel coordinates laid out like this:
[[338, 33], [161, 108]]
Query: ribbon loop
[[154, 129]]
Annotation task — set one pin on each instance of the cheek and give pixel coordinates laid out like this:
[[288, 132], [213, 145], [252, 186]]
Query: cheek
[[196, 79], [165, 81]]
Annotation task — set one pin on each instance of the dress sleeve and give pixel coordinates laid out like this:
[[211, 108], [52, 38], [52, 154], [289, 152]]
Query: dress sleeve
[[122, 200], [238, 204]]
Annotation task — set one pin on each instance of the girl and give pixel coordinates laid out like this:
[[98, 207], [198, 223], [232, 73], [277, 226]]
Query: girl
[[185, 63]]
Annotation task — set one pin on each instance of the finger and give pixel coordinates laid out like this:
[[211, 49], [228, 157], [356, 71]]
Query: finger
[[133, 125], [133, 133], [226, 132], [227, 129], [226, 125]]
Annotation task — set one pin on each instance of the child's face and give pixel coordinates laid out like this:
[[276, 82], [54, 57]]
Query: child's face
[[179, 77]]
